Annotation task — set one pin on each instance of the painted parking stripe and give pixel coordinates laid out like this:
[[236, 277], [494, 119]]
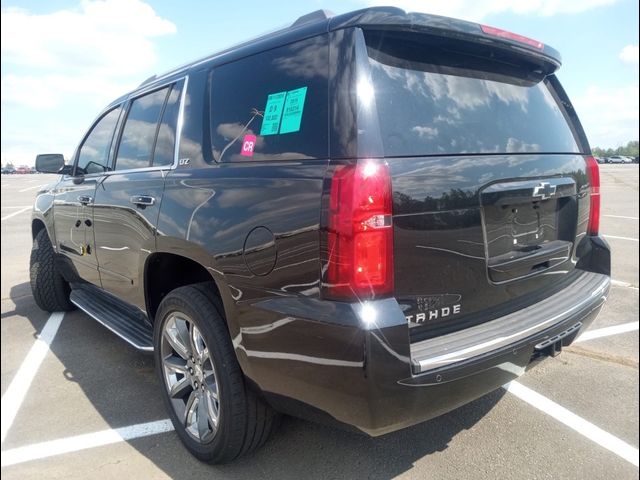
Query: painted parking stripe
[[15, 213], [15, 393], [83, 442], [571, 420], [105, 437], [607, 331], [30, 188], [621, 238], [621, 216], [619, 283]]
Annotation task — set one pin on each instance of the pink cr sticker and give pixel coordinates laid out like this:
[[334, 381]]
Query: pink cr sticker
[[248, 144]]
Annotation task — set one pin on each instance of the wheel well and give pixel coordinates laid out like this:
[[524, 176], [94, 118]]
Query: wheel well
[[165, 272], [36, 227]]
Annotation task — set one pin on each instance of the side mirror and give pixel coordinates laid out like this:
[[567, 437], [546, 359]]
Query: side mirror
[[49, 162]]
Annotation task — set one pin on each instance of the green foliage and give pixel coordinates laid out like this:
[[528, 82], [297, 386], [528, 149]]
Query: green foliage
[[629, 150]]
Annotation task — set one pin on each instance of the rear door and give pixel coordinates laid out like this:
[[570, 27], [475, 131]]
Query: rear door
[[127, 201], [488, 176]]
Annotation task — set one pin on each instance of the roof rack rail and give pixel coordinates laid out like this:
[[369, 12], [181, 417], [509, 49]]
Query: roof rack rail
[[148, 80], [313, 17], [316, 16]]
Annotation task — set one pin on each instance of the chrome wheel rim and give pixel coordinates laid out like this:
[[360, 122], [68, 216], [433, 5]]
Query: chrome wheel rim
[[190, 377]]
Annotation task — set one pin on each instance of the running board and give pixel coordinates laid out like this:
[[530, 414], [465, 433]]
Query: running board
[[119, 320]]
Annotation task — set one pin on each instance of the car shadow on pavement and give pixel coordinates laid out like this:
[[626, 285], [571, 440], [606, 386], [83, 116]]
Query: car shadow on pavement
[[120, 385], [23, 303], [301, 449]]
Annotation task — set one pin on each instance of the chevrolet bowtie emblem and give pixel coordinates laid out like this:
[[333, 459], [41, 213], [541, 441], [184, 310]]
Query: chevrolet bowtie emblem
[[544, 191]]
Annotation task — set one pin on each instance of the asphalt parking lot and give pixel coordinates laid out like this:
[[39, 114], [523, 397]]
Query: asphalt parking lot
[[78, 402]]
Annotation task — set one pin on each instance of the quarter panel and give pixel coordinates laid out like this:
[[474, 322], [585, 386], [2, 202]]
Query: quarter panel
[[207, 214]]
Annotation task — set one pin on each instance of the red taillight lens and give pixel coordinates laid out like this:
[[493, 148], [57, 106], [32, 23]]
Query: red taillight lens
[[593, 172], [498, 32], [360, 237]]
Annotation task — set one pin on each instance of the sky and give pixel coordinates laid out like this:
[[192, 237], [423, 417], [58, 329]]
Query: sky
[[62, 61]]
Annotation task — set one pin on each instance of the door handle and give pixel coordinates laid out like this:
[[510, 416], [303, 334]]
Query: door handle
[[142, 200], [85, 199]]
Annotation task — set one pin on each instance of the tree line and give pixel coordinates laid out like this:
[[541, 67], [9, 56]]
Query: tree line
[[628, 150]]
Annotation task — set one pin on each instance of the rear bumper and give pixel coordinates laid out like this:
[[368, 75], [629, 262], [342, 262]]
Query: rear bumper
[[354, 363], [444, 382], [565, 308]]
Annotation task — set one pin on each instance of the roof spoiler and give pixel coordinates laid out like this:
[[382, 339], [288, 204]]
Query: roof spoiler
[[391, 18]]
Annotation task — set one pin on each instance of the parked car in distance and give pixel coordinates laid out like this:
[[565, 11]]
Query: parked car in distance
[[635, 159], [618, 159], [600, 159], [368, 219], [8, 170], [23, 169]]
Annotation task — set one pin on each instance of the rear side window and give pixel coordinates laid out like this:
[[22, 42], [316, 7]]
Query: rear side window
[[466, 105], [139, 133], [93, 156], [272, 105], [165, 143]]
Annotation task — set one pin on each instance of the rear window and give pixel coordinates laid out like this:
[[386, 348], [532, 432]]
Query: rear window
[[272, 105], [433, 99]]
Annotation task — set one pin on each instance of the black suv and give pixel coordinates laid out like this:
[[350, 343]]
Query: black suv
[[369, 219]]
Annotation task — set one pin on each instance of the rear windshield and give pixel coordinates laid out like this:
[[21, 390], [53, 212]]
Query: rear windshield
[[433, 100]]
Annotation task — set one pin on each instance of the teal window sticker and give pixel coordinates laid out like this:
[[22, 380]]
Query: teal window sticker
[[293, 108], [272, 113]]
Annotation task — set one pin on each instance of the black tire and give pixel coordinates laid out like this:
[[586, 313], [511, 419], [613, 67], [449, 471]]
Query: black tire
[[50, 290], [245, 421]]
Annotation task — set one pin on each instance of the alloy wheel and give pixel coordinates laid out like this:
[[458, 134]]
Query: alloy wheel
[[190, 377]]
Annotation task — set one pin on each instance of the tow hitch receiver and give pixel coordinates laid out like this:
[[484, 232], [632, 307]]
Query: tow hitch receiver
[[553, 346]]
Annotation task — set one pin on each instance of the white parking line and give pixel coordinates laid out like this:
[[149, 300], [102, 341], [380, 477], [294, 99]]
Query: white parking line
[[15, 213], [607, 331], [106, 437], [30, 188], [621, 216], [15, 393], [621, 238], [571, 420], [619, 283], [83, 442]]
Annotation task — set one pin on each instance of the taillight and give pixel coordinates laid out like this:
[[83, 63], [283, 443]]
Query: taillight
[[360, 236], [498, 32], [593, 172]]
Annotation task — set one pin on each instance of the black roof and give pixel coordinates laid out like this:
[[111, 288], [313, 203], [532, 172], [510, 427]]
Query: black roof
[[321, 21]]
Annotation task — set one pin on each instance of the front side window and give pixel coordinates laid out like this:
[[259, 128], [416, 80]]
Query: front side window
[[93, 156], [139, 133]]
